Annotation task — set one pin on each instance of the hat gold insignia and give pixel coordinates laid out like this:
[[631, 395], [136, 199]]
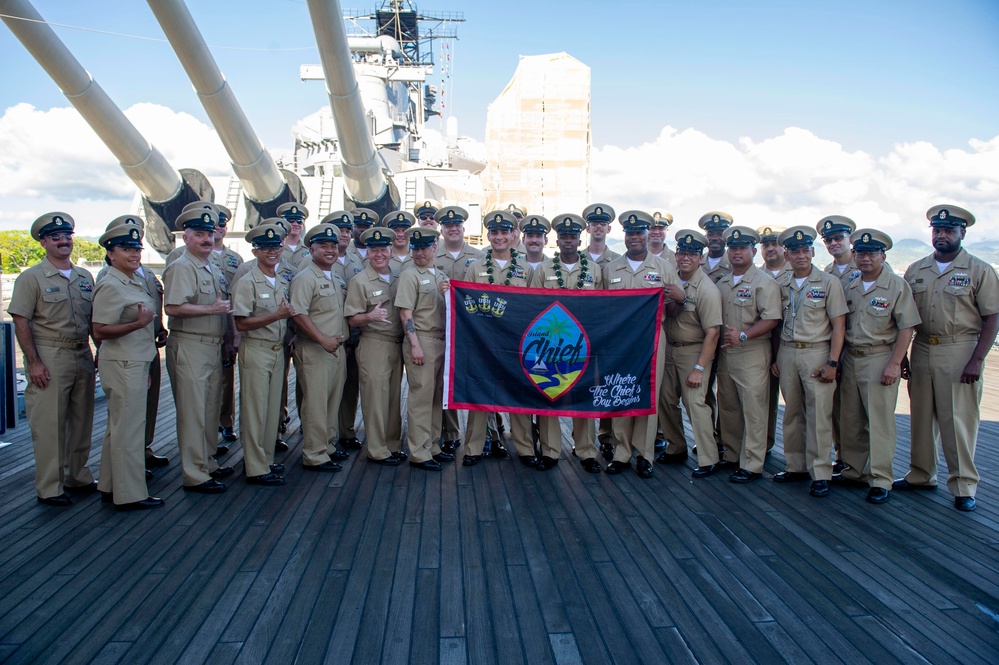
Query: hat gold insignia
[[294, 210], [498, 218], [400, 217], [866, 237], [736, 234], [206, 217], [942, 214], [657, 216], [632, 218], [766, 230], [57, 220], [270, 233], [364, 216], [417, 235], [450, 214], [828, 224], [688, 240], [329, 232], [134, 234], [426, 204], [599, 210], [715, 219], [798, 235]]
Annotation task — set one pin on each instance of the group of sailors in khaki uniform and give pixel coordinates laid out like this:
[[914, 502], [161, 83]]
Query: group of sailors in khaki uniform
[[357, 300]]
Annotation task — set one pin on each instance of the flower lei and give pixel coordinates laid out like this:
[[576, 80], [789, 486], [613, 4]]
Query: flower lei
[[583, 265], [509, 271]]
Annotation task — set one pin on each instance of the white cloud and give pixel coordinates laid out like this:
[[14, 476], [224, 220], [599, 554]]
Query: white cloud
[[797, 177]]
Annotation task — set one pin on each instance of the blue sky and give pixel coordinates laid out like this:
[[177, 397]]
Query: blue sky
[[868, 76]]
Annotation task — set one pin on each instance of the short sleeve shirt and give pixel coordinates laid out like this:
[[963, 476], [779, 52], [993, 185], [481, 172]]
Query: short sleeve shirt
[[755, 298], [810, 308], [548, 276], [418, 292], [701, 312], [366, 291], [255, 296], [320, 298], [187, 280], [454, 267], [116, 300], [953, 302], [876, 315], [57, 308]]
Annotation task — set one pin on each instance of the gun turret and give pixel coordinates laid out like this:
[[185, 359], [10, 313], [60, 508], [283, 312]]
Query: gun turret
[[165, 191], [264, 185], [365, 183]]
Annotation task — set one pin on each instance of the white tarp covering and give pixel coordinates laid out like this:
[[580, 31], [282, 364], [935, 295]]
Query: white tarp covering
[[538, 137]]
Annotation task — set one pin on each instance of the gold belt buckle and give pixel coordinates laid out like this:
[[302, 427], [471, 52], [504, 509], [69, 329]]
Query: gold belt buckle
[[933, 340], [277, 347], [799, 345]]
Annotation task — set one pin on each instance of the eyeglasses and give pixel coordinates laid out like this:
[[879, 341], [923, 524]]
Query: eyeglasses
[[835, 238], [59, 236], [427, 215]]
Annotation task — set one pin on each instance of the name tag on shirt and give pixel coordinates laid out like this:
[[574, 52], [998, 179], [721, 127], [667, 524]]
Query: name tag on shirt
[[615, 280], [483, 274], [377, 293], [551, 278], [424, 281], [264, 295], [52, 289]]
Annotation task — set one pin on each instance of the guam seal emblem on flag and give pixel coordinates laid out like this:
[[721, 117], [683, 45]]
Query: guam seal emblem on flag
[[554, 351]]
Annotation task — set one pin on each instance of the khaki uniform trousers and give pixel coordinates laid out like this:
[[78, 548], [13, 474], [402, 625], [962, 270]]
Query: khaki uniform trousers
[[194, 363], [451, 429], [321, 376], [261, 367], [679, 363], [61, 418], [867, 418], [424, 408], [478, 423], [637, 434], [944, 411], [228, 416], [153, 401], [807, 410], [379, 365], [584, 434], [605, 433], [123, 467], [550, 435], [743, 378], [347, 416]]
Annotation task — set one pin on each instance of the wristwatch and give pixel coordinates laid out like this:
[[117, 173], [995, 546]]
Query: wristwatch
[[833, 363], [743, 337]]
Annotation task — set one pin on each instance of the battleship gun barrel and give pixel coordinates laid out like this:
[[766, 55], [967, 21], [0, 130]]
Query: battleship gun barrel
[[261, 179], [366, 185], [142, 163]]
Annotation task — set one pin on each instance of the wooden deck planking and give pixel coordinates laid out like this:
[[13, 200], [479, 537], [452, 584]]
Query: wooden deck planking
[[498, 563]]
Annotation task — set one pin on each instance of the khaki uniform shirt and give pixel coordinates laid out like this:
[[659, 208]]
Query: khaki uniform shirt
[[116, 300], [285, 271], [369, 289], [850, 273], [356, 253], [454, 266], [722, 268], [546, 277], [230, 262], [418, 292], [401, 263], [153, 287], [701, 312], [297, 257], [520, 275], [876, 315], [667, 255], [55, 307], [954, 302], [187, 280], [810, 308], [255, 296], [755, 298], [786, 268], [225, 279], [347, 266], [321, 299], [604, 259]]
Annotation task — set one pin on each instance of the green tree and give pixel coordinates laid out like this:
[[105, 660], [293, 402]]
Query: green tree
[[19, 250], [88, 249]]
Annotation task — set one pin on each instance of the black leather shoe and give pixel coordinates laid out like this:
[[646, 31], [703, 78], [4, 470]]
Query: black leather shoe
[[148, 503], [400, 455], [429, 465], [221, 449], [268, 479], [339, 456], [643, 468], [546, 463], [61, 501], [107, 497], [705, 471], [348, 443], [819, 488], [470, 460], [903, 484], [672, 458], [529, 460], [725, 464], [877, 495], [607, 450], [207, 487], [444, 457], [388, 461], [156, 461], [615, 468], [498, 451], [591, 465], [222, 472], [791, 476], [228, 434], [277, 468], [964, 503], [149, 474], [280, 446], [328, 467], [660, 444], [450, 446], [839, 479], [84, 489], [838, 466], [744, 476]]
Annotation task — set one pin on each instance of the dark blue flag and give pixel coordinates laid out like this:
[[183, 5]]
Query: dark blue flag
[[552, 352]]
